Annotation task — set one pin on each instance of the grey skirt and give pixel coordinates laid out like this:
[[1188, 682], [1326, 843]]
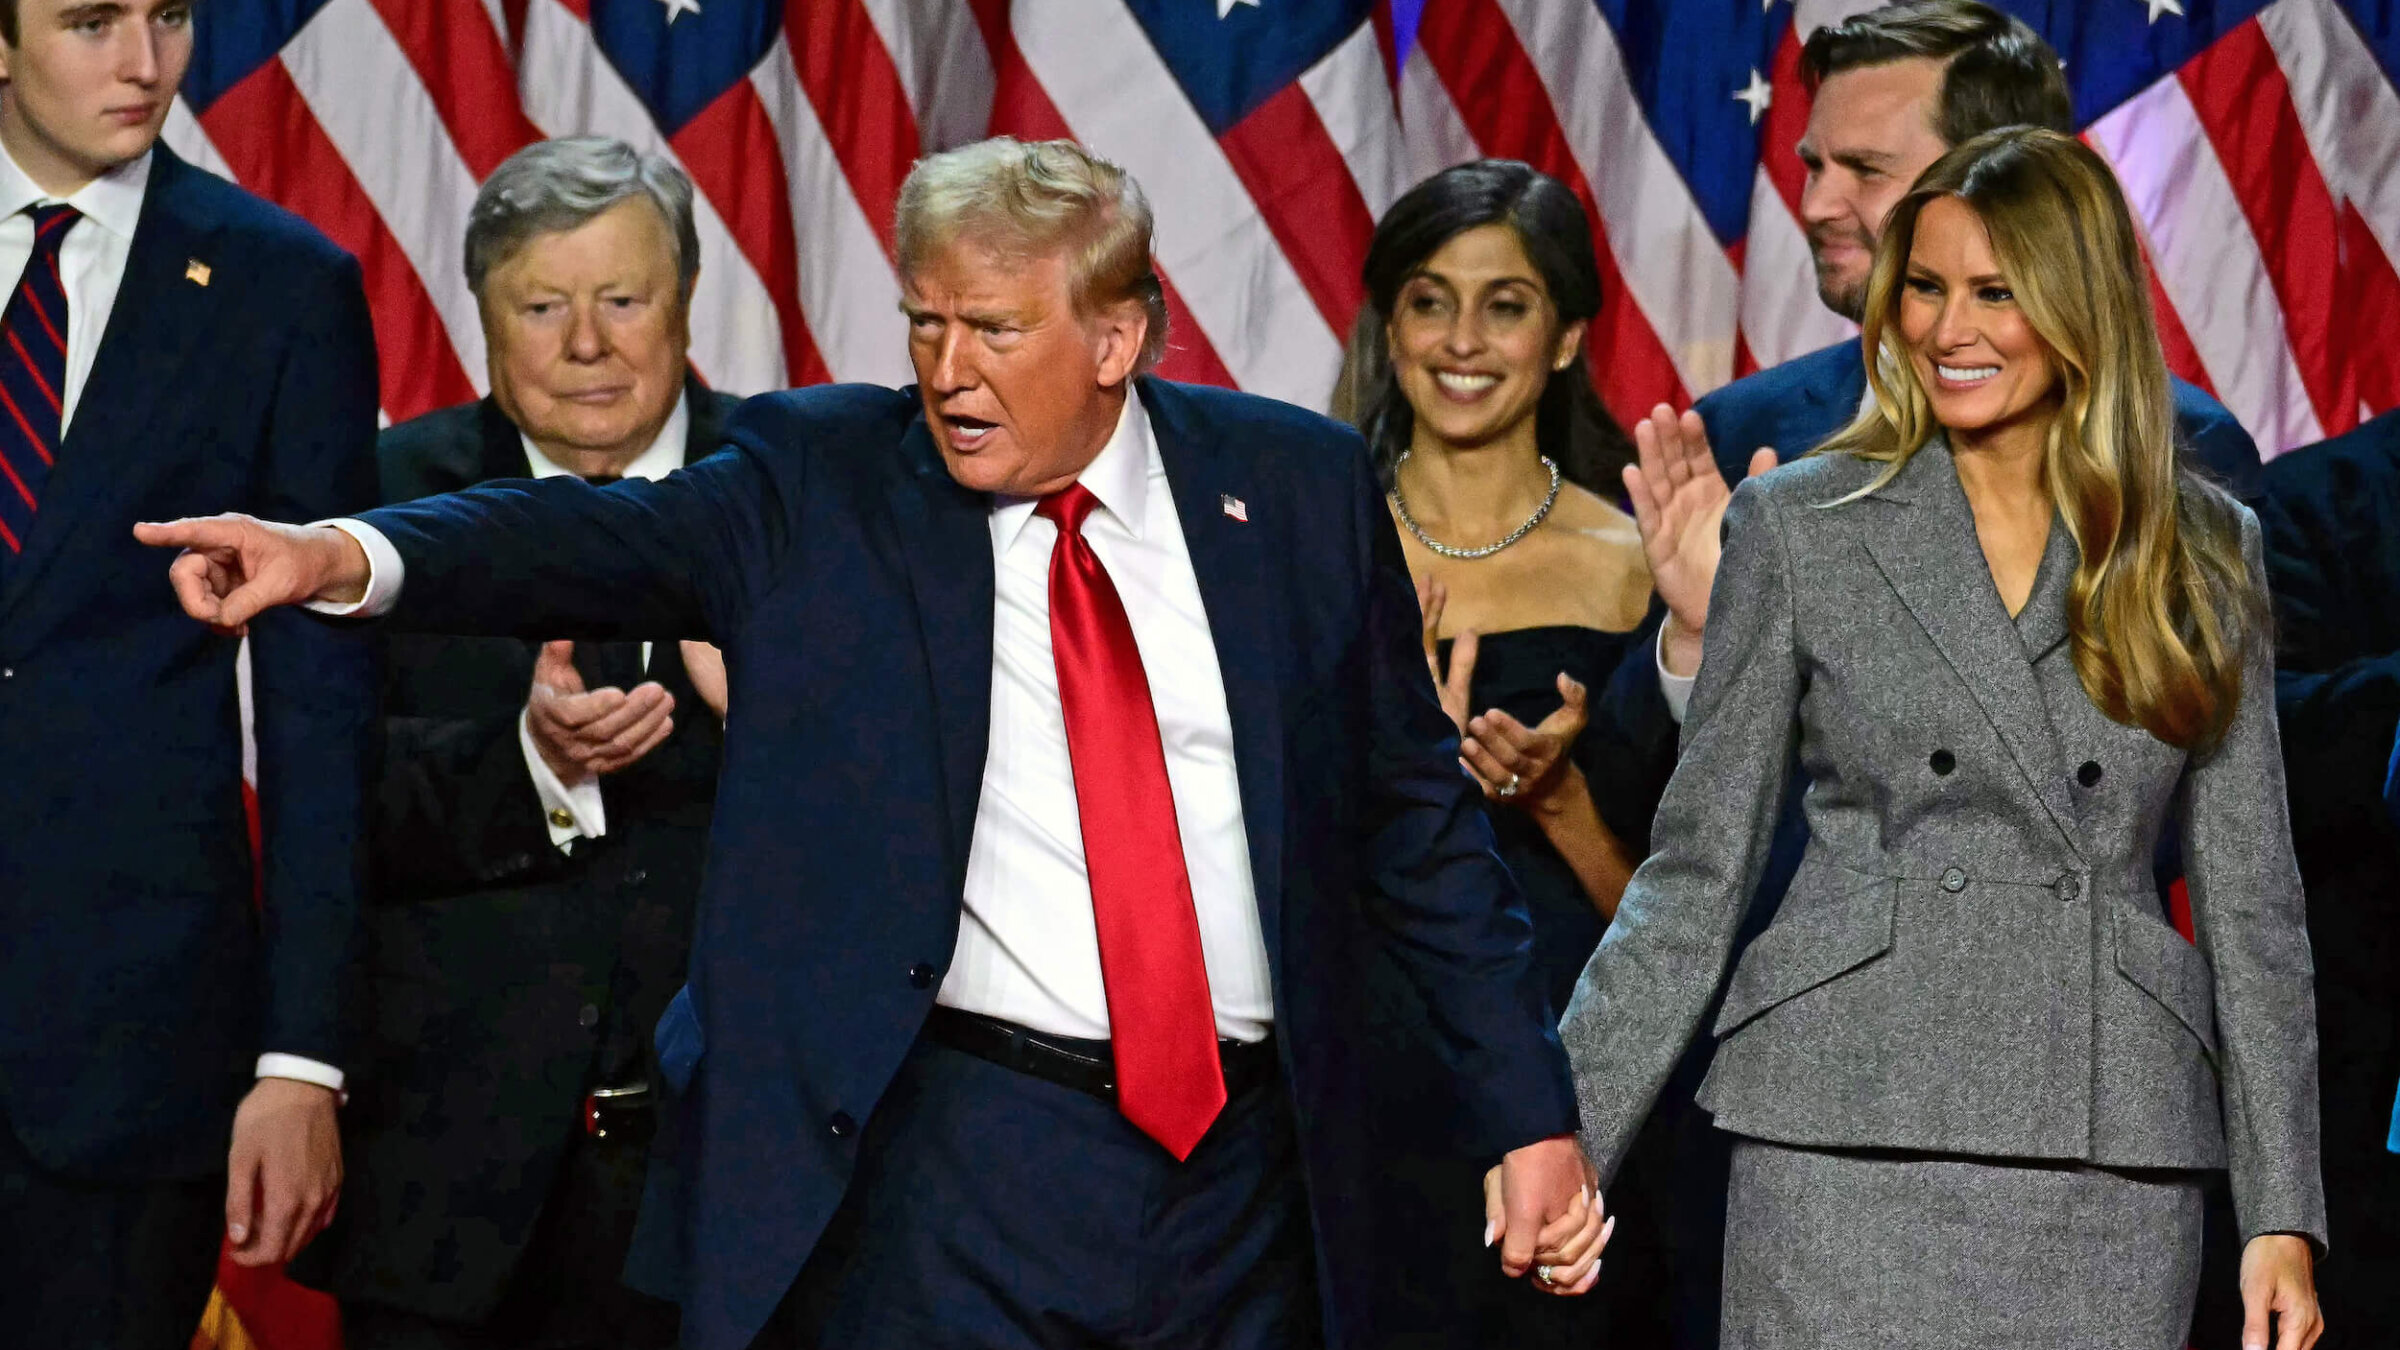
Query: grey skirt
[[1834, 1248]]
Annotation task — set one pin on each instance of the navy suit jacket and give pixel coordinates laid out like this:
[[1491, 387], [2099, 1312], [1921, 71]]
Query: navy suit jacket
[[849, 580], [138, 983]]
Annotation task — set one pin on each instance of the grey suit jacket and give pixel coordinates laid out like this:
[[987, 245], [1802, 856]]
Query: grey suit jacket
[[1972, 958]]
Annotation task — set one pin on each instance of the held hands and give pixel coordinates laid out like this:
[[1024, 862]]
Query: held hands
[[284, 1175], [1679, 502], [2278, 1278], [583, 733], [234, 568], [1542, 1204], [1525, 766]]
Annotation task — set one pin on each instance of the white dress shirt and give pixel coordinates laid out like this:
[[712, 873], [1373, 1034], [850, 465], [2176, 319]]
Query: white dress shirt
[[579, 803], [91, 260], [91, 263], [1028, 947]]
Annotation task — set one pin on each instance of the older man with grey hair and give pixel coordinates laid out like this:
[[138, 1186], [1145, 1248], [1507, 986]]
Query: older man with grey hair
[[541, 816], [1086, 758]]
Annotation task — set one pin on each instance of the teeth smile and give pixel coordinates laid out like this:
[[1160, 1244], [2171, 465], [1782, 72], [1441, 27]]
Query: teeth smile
[[1967, 374], [1464, 384]]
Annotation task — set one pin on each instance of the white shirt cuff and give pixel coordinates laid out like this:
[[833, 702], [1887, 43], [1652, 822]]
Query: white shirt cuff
[[1676, 689], [384, 574], [300, 1069], [569, 812]]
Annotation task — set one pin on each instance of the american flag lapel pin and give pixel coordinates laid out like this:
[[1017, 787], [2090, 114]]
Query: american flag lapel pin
[[1234, 507], [196, 272]]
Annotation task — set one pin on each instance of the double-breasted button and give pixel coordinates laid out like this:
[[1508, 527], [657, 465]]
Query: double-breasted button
[[587, 1017], [2069, 888], [921, 975], [1943, 762], [1954, 881], [8, 672], [2089, 774], [841, 1125]]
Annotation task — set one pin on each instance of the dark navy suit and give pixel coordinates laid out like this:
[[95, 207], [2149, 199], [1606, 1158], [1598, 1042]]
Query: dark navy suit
[[138, 983], [1793, 408], [2331, 517], [850, 581]]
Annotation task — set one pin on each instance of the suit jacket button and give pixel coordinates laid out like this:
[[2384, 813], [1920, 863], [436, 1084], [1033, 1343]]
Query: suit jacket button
[[1943, 762], [587, 1017], [921, 975], [1954, 881], [842, 1125], [2089, 774], [2070, 888]]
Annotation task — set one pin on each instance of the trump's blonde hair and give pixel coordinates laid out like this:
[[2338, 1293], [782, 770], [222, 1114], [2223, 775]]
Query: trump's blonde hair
[[1039, 198], [2162, 606]]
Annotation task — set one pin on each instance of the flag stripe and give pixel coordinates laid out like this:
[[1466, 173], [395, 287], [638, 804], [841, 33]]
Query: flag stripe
[[1290, 167], [837, 57], [2208, 262], [367, 101], [458, 54], [264, 132], [2245, 106], [735, 159]]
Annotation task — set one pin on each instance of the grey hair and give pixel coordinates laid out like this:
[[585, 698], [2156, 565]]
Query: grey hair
[[1040, 197], [552, 186]]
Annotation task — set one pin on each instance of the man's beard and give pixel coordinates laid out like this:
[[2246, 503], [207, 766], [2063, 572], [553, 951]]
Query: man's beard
[[1846, 298]]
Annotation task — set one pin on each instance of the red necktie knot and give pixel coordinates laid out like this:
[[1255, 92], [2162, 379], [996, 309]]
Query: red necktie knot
[[1068, 508]]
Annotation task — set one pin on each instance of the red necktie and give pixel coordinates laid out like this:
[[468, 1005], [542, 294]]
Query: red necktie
[[1161, 1020], [33, 376]]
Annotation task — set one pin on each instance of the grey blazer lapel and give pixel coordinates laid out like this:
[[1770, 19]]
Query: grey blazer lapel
[[2042, 624], [1922, 538]]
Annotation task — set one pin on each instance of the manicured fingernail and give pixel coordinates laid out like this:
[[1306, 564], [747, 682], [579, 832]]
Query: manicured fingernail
[[1608, 1228], [1490, 1230], [237, 1232]]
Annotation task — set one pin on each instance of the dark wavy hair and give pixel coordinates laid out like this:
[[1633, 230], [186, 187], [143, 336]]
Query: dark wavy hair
[[1570, 424]]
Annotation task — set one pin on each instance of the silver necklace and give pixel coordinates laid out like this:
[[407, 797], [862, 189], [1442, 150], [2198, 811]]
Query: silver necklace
[[1540, 514]]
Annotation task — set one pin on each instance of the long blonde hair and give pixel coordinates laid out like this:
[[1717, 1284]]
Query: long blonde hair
[[2162, 608]]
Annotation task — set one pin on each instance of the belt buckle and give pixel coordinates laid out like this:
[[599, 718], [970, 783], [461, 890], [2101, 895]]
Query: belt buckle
[[629, 1097]]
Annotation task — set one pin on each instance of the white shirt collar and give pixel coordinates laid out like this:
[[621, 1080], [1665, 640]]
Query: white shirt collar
[[112, 201], [1119, 476], [664, 456]]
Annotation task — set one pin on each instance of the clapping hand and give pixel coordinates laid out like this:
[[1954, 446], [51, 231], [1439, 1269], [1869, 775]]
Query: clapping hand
[[581, 733], [1526, 766], [1432, 598], [1679, 502]]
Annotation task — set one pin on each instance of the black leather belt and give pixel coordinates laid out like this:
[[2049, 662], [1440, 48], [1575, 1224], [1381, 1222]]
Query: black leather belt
[[1086, 1066]]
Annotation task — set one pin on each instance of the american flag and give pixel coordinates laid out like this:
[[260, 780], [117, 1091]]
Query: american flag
[[2259, 143]]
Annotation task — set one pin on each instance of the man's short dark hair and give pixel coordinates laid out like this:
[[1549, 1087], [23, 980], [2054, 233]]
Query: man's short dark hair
[[1999, 72], [8, 22]]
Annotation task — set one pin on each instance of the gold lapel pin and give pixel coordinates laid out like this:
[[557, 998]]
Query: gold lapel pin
[[196, 272]]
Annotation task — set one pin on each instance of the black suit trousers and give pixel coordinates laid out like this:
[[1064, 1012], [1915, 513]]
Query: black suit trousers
[[104, 1265]]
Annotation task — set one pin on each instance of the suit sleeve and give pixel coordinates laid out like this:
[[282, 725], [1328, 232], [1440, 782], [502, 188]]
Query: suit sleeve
[[2220, 444], [1645, 990], [455, 809], [559, 558], [1628, 751], [1455, 921], [2338, 698], [314, 684], [2248, 919]]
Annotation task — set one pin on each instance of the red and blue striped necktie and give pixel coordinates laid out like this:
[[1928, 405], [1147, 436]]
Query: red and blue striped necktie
[[33, 378]]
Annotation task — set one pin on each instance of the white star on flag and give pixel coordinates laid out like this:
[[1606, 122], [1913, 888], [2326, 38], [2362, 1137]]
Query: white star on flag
[[1758, 94], [2158, 7], [1225, 7], [676, 9]]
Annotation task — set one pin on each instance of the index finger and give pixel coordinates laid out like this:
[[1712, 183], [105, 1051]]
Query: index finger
[[202, 532]]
